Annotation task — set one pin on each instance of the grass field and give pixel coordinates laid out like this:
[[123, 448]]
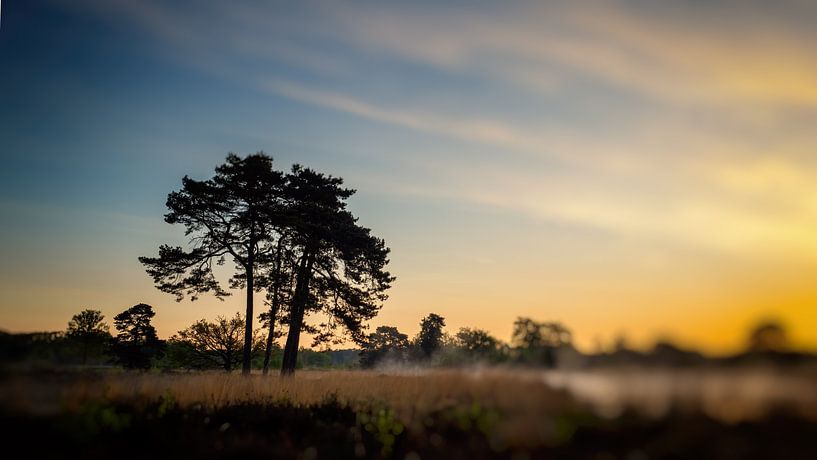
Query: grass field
[[403, 413]]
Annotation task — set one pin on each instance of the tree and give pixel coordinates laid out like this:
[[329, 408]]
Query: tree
[[430, 337], [768, 336], [556, 335], [530, 334], [136, 342], [88, 329], [476, 341], [340, 267], [234, 214], [386, 342], [537, 341], [216, 344]]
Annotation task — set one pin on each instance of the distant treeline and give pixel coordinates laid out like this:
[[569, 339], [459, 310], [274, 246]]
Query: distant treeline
[[88, 342], [550, 344]]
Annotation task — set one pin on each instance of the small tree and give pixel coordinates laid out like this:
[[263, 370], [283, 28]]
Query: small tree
[[87, 329], [537, 341], [768, 336], [476, 342], [385, 343], [430, 337], [136, 343], [218, 344]]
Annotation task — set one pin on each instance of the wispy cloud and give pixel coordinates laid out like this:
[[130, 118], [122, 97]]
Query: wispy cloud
[[719, 59], [477, 130], [659, 120]]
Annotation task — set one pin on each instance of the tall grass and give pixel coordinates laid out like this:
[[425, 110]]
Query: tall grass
[[525, 404]]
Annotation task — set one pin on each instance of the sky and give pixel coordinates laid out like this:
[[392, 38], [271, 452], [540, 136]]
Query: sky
[[630, 168]]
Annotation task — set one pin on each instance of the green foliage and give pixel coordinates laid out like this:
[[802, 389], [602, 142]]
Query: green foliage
[[476, 342], [98, 416], [166, 403], [383, 424], [386, 343], [312, 359], [473, 417]]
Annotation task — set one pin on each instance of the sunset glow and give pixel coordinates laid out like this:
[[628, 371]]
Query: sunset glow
[[630, 168]]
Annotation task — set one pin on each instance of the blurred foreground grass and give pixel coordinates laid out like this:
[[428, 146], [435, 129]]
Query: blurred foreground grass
[[403, 413]]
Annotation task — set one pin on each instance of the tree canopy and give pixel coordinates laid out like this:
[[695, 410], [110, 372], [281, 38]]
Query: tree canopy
[[476, 341], [136, 342], [216, 344], [87, 323], [536, 341], [768, 336], [431, 334], [88, 329], [385, 343]]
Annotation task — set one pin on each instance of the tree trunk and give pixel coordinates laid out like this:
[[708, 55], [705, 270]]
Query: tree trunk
[[272, 314], [246, 362], [297, 315]]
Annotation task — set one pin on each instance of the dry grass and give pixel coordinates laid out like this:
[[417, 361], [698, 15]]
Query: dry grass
[[523, 407], [525, 403]]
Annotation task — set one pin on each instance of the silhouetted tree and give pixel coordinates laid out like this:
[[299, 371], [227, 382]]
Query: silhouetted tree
[[769, 336], [231, 215], [556, 334], [430, 336], [528, 333], [537, 341], [87, 329], [136, 342], [385, 343], [340, 266], [215, 344], [476, 341]]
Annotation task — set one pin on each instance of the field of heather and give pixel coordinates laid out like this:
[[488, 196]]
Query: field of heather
[[411, 414]]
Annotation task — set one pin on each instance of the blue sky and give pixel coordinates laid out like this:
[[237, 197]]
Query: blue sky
[[577, 161]]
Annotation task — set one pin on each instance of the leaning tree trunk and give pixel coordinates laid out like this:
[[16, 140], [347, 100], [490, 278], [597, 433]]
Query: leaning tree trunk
[[246, 361], [297, 315], [272, 314]]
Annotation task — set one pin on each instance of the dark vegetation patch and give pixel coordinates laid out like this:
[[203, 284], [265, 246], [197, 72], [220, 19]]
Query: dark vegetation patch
[[331, 430]]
